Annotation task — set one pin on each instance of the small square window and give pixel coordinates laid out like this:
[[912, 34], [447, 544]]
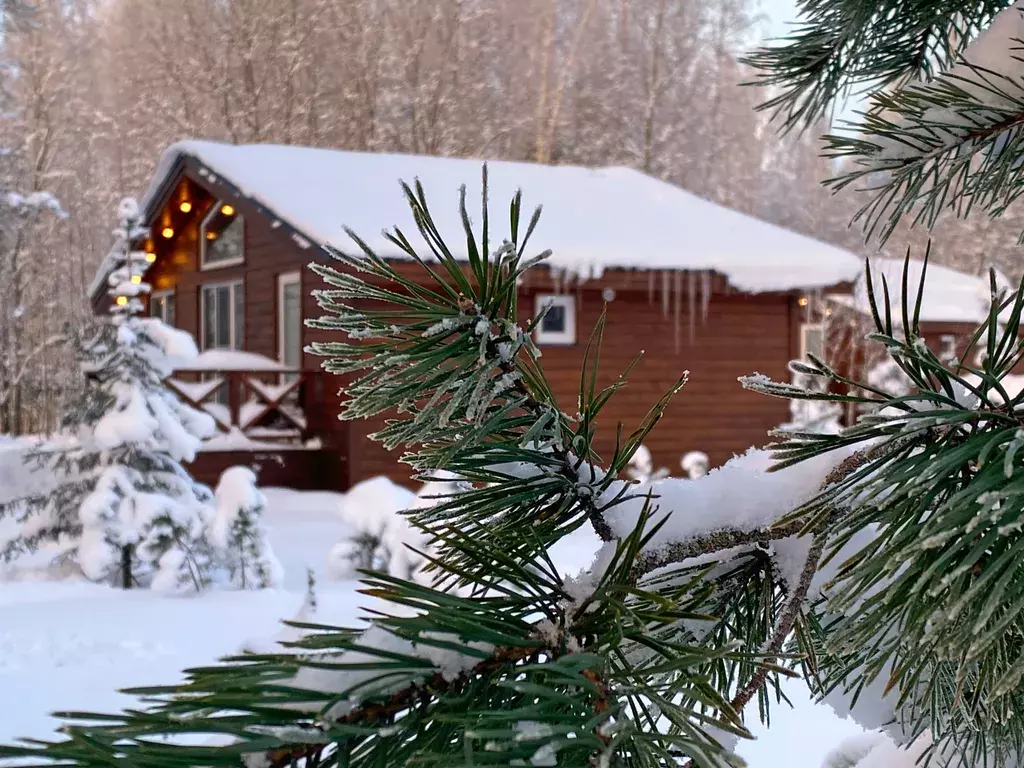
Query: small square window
[[559, 324]]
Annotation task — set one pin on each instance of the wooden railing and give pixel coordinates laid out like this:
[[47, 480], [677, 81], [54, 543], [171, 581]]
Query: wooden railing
[[264, 406]]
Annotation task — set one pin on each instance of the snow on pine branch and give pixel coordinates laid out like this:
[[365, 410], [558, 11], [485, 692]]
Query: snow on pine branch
[[742, 496]]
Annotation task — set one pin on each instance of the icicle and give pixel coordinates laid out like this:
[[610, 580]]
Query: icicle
[[650, 287], [664, 292], [677, 299], [691, 285], [705, 294]]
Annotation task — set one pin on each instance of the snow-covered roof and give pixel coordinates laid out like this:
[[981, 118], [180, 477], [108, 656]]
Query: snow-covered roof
[[594, 218], [949, 296]]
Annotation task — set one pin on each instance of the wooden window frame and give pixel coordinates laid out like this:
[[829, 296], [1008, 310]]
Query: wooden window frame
[[566, 338], [804, 328], [164, 294], [285, 279], [202, 312], [204, 265]]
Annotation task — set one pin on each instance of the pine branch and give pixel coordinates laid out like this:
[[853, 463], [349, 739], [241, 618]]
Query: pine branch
[[842, 44], [950, 145]]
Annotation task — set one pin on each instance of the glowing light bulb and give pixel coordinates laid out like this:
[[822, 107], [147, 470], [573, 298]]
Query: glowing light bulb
[[168, 232], [136, 279], [211, 235], [185, 206], [122, 301], [228, 210], [150, 257], [802, 301]]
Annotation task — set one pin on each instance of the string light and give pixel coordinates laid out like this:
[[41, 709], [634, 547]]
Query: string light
[[168, 232], [802, 301], [211, 235], [228, 210], [185, 206], [122, 301], [150, 257], [136, 279]]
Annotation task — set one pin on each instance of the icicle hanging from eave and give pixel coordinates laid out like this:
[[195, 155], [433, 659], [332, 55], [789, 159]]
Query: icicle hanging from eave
[[705, 294], [691, 280], [677, 290], [664, 292]]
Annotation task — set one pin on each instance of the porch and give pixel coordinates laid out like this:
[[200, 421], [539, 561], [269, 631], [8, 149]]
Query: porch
[[268, 416]]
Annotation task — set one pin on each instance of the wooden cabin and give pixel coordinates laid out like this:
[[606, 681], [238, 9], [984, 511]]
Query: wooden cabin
[[698, 286]]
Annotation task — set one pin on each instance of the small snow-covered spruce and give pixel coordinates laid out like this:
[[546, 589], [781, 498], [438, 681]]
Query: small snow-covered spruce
[[134, 514], [237, 535], [830, 558]]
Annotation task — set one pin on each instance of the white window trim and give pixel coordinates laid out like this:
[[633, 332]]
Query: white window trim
[[202, 311], [203, 264], [556, 338], [285, 279], [155, 295], [804, 328]]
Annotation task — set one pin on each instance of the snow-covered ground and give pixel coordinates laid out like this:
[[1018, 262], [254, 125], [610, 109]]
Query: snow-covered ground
[[71, 644]]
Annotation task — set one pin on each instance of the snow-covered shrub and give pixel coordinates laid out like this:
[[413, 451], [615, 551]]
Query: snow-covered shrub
[[382, 538], [236, 533], [695, 464], [641, 467]]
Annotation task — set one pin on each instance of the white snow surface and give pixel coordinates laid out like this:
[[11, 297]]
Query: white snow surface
[[70, 644], [740, 495], [949, 296], [594, 218]]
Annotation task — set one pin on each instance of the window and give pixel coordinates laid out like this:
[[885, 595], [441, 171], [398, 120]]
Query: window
[[289, 320], [812, 340], [161, 305], [223, 316], [947, 348], [222, 237], [559, 324]]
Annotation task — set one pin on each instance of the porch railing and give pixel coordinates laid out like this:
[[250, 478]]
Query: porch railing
[[269, 407]]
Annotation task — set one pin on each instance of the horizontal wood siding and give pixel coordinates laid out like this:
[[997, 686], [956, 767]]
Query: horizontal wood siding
[[712, 413]]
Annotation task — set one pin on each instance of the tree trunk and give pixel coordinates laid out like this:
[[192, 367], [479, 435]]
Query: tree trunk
[[126, 567]]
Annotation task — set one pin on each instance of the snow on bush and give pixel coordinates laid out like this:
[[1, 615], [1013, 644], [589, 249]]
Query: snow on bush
[[695, 464], [641, 467], [237, 535], [382, 538]]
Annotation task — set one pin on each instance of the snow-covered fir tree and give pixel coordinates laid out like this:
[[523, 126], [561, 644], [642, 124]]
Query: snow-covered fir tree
[[237, 534], [134, 514]]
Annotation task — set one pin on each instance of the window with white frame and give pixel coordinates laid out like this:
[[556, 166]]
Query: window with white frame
[[559, 324], [289, 320], [222, 237], [222, 313], [812, 340], [161, 305]]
